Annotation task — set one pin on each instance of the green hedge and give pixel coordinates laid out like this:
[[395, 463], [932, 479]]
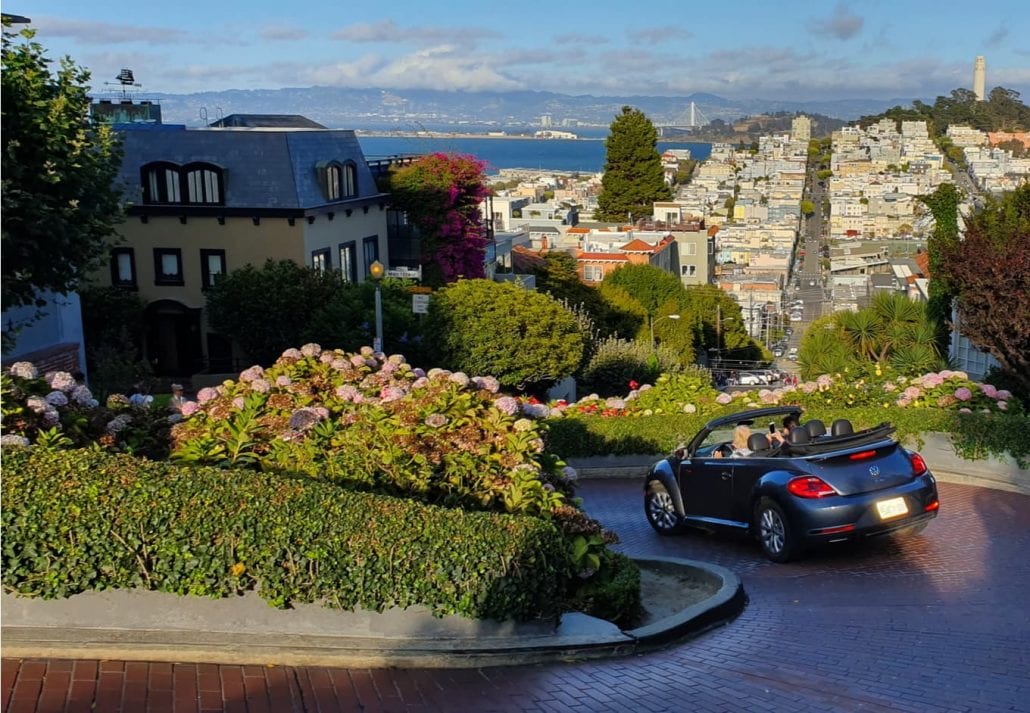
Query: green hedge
[[84, 520], [975, 435]]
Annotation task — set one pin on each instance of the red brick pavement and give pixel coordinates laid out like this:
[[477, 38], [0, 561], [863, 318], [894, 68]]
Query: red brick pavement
[[934, 624]]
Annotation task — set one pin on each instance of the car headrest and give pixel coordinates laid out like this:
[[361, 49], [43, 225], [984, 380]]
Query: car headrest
[[815, 428], [799, 435], [758, 442], [841, 427]]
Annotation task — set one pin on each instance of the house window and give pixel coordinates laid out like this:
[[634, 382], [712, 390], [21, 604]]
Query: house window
[[333, 178], [688, 270], [593, 273], [161, 183], [168, 266], [212, 267], [690, 248], [339, 180], [203, 184], [349, 185], [321, 260], [370, 246], [123, 268], [349, 262]]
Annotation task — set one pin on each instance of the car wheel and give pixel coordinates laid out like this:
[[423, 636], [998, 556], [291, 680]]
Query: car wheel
[[774, 531], [661, 511]]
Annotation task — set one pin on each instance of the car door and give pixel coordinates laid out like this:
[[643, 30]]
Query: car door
[[706, 483]]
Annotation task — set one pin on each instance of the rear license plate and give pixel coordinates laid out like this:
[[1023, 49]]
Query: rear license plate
[[891, 508]]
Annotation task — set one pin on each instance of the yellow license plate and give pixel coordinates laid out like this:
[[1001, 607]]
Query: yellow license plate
[[891, 508]]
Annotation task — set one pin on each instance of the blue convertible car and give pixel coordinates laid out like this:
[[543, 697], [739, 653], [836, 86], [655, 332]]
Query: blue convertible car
[[818, 486]]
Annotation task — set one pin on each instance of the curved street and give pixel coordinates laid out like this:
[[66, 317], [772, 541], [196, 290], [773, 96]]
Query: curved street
[[936, 623]]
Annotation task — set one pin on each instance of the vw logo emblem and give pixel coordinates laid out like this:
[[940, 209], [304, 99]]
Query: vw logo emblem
[[875, 472]]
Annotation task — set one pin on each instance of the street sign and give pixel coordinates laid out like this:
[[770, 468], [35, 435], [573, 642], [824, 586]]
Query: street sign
[[420, 304], [406, 273]]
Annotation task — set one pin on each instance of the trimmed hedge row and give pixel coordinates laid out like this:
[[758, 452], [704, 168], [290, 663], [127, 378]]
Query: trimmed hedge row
[[974, 434], [83, 520]]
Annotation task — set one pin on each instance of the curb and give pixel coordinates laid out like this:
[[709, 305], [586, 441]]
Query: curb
[[33, 629]]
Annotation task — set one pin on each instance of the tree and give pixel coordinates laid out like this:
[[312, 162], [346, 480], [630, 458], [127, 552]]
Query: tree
[[59, 203], [523, 338], [943, 205], [267, 310], [650, 286], [989, 272], [441, 194], [633, 175], [807, 207]]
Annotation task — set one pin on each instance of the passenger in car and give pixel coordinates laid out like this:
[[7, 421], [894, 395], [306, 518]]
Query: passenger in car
[[790, 422]]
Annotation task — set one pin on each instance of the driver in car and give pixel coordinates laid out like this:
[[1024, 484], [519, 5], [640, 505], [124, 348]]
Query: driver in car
[[739, 443]]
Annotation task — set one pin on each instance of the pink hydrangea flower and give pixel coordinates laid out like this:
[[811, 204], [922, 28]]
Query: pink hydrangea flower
[[1003, 405], [723, 399], [459, 378], [206, 394], [251, 374], [391, 393], [912, 392], [37, 404], [963, 394], [339, 363], [61, 381], [809, 386], [24, 370], [260, 385], [965, 410], [507, 404], [824, 380], [989, 390], [311, 350], [536, 410], [291, 353], [238, 402], [189, 408], [436, 420], [1003, 394], [281, 381]]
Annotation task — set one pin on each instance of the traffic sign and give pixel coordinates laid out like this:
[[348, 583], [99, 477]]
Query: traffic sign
[[420, 304]]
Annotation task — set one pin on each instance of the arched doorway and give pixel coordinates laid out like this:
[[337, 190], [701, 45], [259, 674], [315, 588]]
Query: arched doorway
[[173, 338]]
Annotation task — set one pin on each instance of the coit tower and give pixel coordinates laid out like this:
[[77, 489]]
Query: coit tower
[[979, 70]]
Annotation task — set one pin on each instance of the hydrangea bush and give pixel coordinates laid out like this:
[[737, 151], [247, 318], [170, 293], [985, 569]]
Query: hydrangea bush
[[53, 409], [374, 421]]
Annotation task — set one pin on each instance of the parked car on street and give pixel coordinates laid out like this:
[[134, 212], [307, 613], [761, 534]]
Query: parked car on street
[[817, 488], [748, 378]]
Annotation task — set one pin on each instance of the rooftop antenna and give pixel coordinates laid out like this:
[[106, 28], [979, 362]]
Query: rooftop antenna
[[125, 80]]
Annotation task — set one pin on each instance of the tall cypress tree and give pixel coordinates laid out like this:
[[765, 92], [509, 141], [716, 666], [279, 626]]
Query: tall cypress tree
[[633, 177]]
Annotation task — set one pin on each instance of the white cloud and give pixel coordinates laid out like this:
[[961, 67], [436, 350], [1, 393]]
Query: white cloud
[[389, 31], [106, 33], [283, 33]]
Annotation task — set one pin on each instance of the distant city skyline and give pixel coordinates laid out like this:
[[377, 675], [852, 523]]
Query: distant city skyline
[[792, 49]]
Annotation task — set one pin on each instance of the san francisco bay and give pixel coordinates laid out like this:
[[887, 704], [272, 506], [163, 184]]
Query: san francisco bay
[[586, 155]]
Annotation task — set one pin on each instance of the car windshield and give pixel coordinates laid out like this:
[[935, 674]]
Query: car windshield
[[722, 434]]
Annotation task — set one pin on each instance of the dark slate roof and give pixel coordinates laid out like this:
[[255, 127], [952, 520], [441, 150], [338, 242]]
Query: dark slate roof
[[264, 168], [278, 121]]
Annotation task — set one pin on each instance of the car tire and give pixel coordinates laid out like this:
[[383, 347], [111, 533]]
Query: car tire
[[661, 510], [775, 534]]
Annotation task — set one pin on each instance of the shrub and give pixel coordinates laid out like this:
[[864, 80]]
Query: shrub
[[82, 520], [619, 361], [614, 594], [375, 422], [57, 410], [523, 338]]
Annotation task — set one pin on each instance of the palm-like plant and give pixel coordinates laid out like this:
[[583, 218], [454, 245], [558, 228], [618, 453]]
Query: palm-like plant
[[863, 330]]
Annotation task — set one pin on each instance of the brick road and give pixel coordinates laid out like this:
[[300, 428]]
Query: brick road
[[935, 624]]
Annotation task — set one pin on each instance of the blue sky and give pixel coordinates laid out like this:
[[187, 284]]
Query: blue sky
[[771, 49]]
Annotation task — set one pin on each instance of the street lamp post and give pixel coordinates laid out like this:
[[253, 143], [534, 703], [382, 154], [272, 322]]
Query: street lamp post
[[376, 272], [653, 320]]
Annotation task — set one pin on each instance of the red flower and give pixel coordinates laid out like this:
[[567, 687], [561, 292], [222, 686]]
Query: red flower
[[633, 384]]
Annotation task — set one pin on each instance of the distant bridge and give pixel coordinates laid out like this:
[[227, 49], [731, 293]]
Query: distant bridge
[[692, 118]]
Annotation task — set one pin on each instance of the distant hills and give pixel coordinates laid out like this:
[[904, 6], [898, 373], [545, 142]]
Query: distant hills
[[417, 108]]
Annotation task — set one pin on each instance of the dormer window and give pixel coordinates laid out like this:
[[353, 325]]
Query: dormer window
[[203, 183], [339, 180], [193, 184], [161, 183]]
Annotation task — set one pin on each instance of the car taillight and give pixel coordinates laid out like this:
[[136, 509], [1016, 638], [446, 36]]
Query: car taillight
[[809, 486], [932, 506], [918, 464], [862, 455]]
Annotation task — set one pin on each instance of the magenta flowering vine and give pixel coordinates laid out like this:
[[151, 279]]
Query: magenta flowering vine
[[441, 193]]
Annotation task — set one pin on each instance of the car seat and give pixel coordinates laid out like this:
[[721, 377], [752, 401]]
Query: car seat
[[799, 436], [815, 428], [757, 442], [841, 427]]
